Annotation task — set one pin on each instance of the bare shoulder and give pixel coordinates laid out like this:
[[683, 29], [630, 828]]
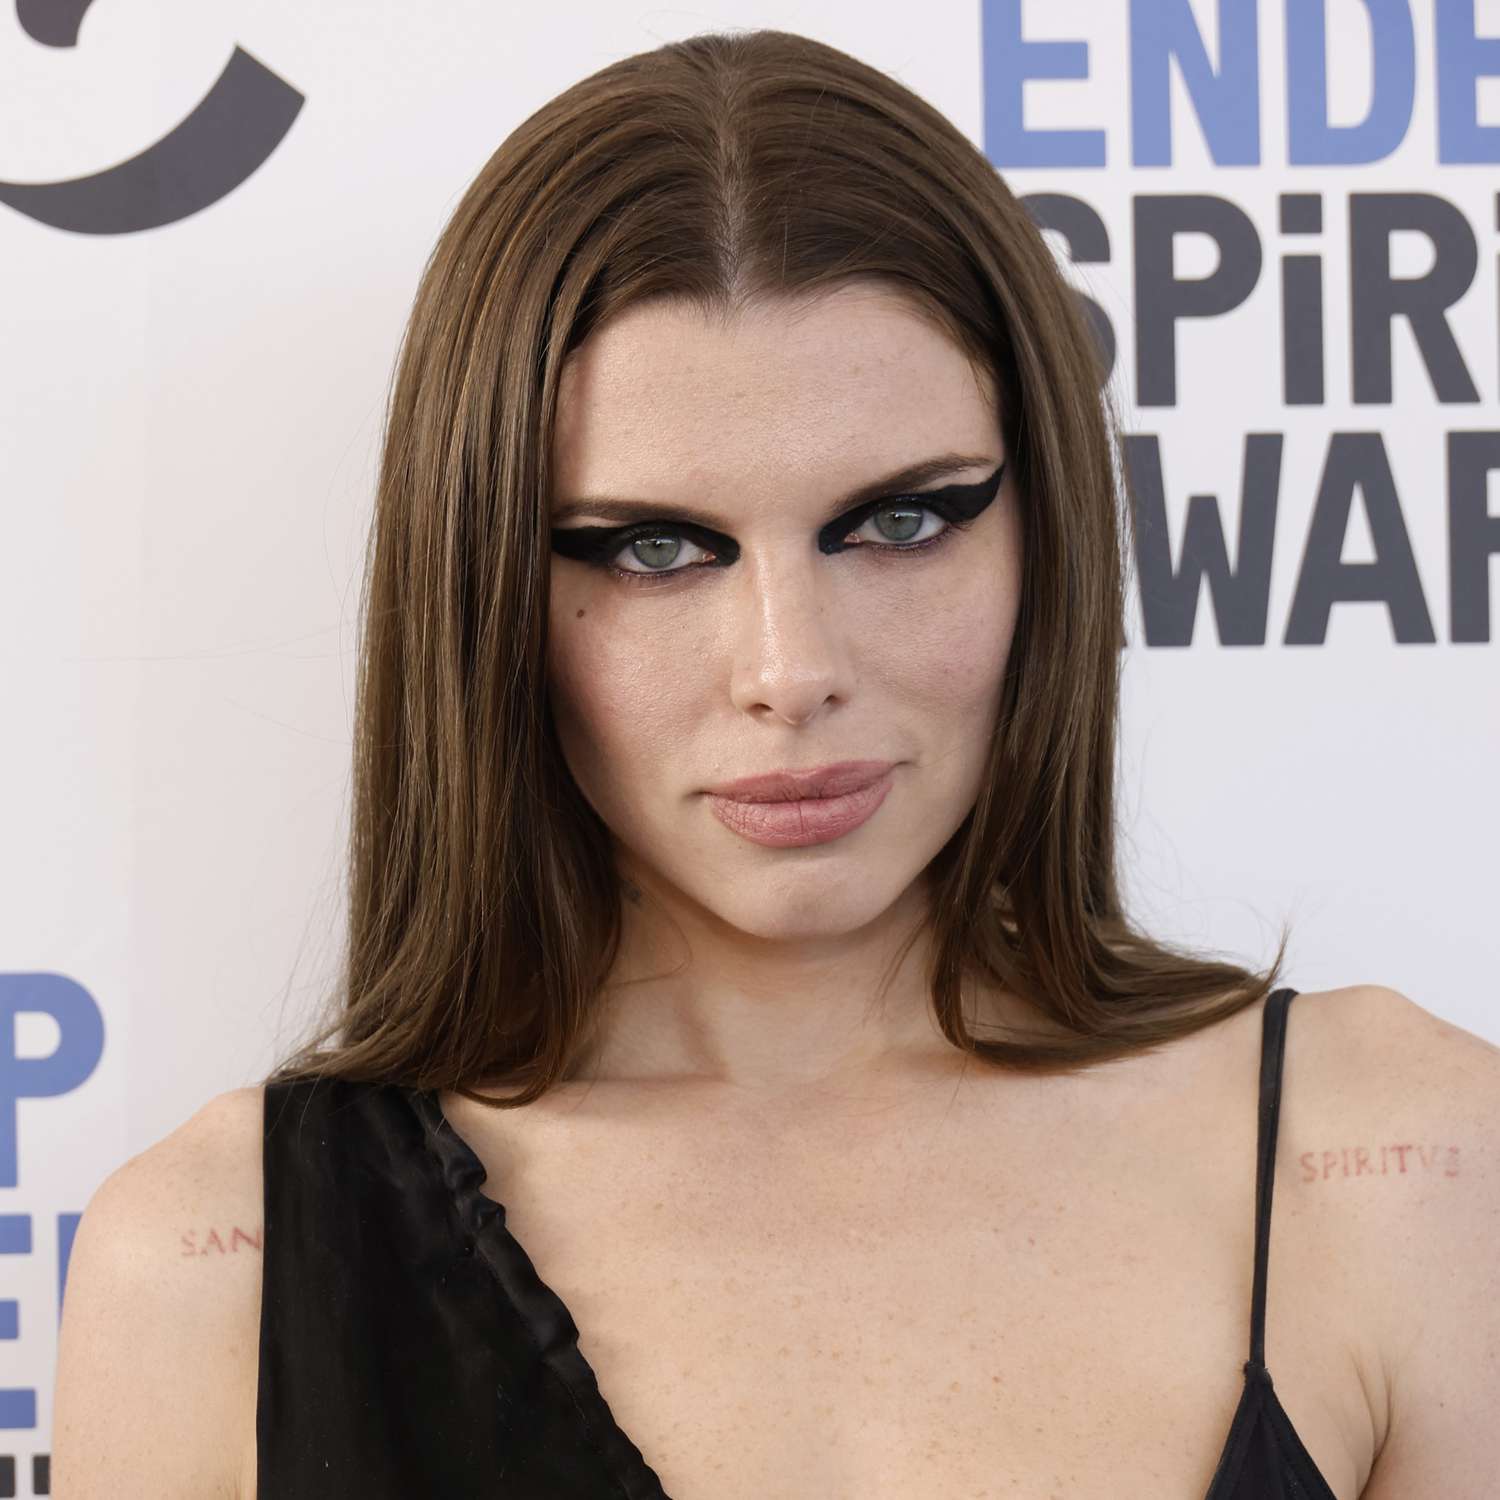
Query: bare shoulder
[[1413, 1104], [1429, 1090], [1380, 1027], [1408, 1162], [157, 1353]]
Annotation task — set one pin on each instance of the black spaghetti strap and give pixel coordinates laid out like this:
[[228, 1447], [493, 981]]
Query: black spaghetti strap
[[1272, 1049]]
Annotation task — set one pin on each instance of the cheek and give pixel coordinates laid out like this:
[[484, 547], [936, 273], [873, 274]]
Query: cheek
[[943, 649], [620, 697], [951, 670]]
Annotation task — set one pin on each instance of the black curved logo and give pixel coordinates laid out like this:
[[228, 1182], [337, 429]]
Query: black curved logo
[[229, 133]]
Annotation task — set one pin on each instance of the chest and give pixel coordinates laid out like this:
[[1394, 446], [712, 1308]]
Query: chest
[[883, 1313]]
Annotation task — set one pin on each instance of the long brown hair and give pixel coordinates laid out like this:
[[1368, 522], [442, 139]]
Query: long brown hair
[[483, 904]]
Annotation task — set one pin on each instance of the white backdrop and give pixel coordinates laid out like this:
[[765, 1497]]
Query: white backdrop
[[197, 344]]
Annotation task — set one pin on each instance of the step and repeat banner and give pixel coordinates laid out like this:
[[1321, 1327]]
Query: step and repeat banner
[[1284, 216]]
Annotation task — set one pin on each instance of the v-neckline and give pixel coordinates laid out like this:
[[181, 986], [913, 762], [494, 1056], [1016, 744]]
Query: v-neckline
[[551, 1325]]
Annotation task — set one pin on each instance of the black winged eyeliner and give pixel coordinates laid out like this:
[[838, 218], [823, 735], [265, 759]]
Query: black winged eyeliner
[[958, 504]]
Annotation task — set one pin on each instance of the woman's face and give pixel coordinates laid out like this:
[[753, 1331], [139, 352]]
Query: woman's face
[[783, 629]]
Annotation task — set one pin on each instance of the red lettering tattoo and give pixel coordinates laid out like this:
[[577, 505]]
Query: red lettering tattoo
[[1359, 1161], [217, 1244]]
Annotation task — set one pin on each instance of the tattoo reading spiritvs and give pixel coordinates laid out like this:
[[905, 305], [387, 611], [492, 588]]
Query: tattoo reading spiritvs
[[1358, 1161], [214, 1243]]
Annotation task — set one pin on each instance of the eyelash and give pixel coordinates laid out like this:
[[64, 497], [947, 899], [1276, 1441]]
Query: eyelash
[[900, 502]]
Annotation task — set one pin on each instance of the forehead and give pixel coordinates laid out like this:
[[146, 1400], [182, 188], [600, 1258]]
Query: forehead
[[853, 380]]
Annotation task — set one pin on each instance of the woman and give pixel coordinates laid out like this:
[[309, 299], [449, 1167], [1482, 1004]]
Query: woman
[[733, 898]]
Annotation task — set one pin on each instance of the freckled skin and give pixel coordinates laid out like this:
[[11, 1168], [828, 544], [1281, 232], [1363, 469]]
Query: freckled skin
[[789, 657]]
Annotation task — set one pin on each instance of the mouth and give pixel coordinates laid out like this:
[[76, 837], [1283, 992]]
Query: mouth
[[774, 812]]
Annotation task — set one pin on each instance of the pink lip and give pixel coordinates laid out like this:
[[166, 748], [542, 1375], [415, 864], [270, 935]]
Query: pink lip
[[832, 780], [779, 812]]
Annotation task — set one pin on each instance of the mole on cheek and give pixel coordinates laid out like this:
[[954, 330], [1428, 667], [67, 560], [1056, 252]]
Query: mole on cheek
[[579, 615]]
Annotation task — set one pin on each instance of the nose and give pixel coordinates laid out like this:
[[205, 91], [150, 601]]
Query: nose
[[789, 641]]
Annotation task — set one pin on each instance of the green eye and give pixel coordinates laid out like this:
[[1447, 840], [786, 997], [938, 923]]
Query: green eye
[[656, 543]]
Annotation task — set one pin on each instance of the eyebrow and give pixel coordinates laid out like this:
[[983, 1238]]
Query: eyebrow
[[905, 478]]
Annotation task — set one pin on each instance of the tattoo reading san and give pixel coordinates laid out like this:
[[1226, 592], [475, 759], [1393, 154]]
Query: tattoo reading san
[[215, 1243], [1393, 1161]]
